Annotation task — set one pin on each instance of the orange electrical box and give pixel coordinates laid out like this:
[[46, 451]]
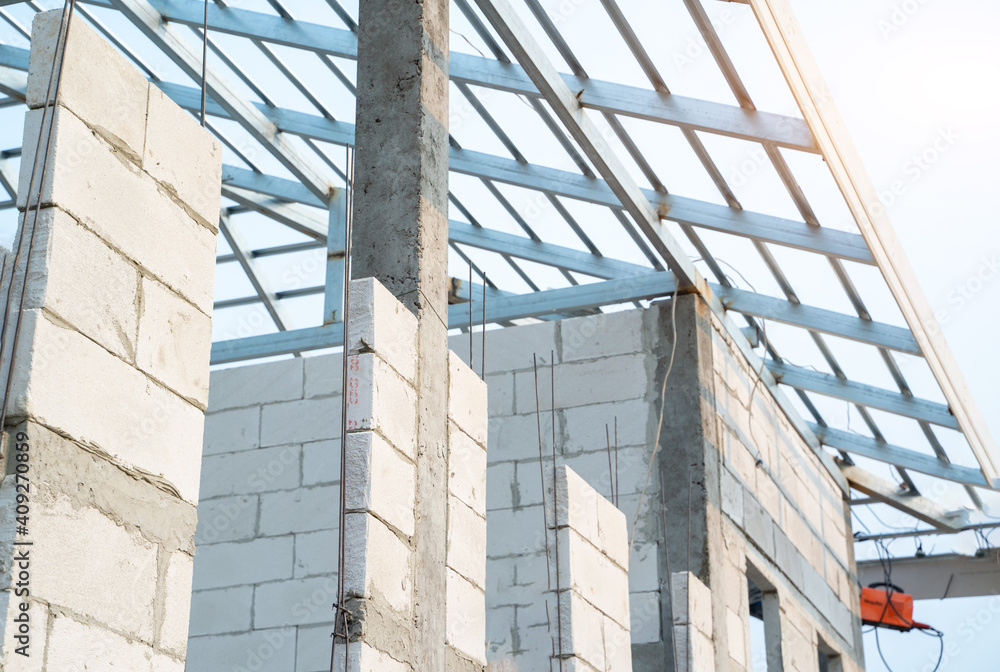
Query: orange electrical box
[[888, 610]]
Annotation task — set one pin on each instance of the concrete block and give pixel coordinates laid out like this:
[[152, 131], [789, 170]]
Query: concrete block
[[93, 74], [588, 382], [500, 388], [220, 611], [694, 649], [787, 558], [467, 400], [577, 505], [379, 323], [301, 510], [612, 529], [294, 602], [644, 613], [116, 586], [76, 276], [245, 562], [585, 426], [758, 524], [232, 431], [176, 603], [85, 646], [617, 647], [736, 636], [300, 421], [261, 650], [592, 575], [252, 471], [768, 494], [174, 342], [732, 496], [321, 462], [78, 388], [312, 648], [379, 565], [582, 629], [382, 401], [382, 481], [691, 602], [597, 336], [324, 375], [110, 197], [256, 384], [501, 493], [509, 350], [466, 542], [364, 658], [515, 532], [226, 519], [465, 627], [643, 568], [316, 553], [467, 470], [184, 157], [516, 437]]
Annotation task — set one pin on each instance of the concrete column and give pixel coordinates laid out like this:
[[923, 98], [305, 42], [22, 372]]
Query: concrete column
[[593, 580], [400, 238], [692, 623], [104, 427]]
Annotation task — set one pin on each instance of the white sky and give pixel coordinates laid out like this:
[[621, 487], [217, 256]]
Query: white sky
[[899, 78]]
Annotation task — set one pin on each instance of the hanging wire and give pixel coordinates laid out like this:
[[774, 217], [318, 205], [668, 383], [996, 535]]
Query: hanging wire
[[52, 93]]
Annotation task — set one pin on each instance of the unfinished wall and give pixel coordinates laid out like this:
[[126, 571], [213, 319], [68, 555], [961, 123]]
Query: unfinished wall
[[783, 519], [103, 430]]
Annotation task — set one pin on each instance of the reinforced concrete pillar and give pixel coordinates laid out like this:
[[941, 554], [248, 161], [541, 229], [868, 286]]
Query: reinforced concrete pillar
[[382, 551], [103, 432], [400, 238], [593, 630]]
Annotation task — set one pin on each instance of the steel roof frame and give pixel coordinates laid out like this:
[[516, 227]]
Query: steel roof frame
[[562, 102]]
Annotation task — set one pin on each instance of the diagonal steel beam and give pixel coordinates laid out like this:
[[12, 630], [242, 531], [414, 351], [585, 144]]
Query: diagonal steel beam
[[885, 492], [267, 296], [569, 111], [167, 38]]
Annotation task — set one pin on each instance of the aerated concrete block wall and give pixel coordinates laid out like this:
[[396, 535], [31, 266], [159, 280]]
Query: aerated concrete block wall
[[103, 432], [784, 517]]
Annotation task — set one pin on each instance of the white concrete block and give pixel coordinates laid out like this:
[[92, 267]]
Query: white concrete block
[[645, 617], [84, 646], [585, 426], [382, 481], [736, 636], [691, 602], [256, 384], [466, 470], [316, 553], [93, 74], [598, 336], [380, 400], [593, 575], [582, 629], [588, 382], [732, 496], [379, 323], [466, 542], [184, 157], [301, 510], [466, 619], [300, 421], [251, 472], [256, 561], [515, 532], [116, 585], [467, 399], [364, 658], [174, 342], [220, 611], [76, 276], [261, 651], [232, 431], [378, 563], [695, 652], [757, 524], [324, 375], [617, 647], [321, 462], [516, 437], [501, 394], [643, 568], [123, 206], [294, 602], [613, 532], [500, 480], [176, 603], [577, 505], [312, 648]]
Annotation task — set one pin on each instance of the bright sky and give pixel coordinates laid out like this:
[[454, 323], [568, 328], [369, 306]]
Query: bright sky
[[903, 74]]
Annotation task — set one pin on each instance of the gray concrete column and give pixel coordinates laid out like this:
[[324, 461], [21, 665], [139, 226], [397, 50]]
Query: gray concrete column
[[400, 238]]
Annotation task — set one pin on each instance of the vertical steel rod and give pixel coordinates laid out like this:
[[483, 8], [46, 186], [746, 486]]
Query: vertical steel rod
[[471, 356], [555, 505], [482, 355], [204, 64]]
